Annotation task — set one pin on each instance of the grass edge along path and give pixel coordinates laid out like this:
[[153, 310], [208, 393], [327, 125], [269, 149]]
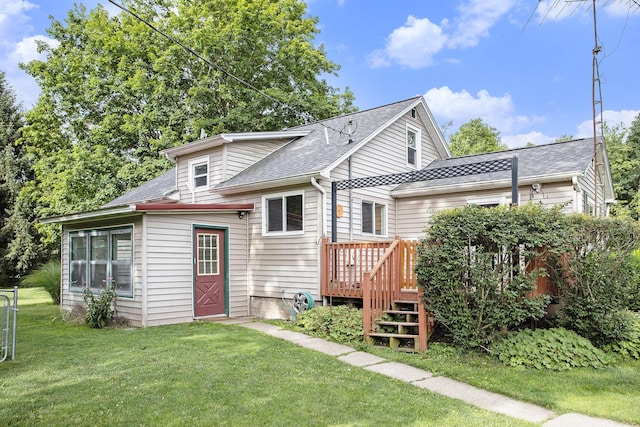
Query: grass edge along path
[[200, 374]]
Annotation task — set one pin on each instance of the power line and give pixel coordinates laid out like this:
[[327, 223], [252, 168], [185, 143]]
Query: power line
[[305, 116]]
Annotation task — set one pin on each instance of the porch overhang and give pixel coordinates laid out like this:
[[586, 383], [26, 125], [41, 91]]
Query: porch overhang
[[483, 185], [135, 208]]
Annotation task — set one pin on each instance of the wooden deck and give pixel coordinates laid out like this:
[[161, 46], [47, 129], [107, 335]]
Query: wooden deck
[[382, 275], [379, 273]]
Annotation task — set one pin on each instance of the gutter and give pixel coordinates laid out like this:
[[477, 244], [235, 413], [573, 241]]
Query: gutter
[[149, 207], [263, 185], [323, 203], [486, 185]]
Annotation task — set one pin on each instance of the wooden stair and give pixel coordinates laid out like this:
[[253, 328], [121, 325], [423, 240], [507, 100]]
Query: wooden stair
[[399, 327]]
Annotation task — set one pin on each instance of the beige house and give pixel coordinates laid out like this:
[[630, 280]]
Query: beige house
[[236, 228]]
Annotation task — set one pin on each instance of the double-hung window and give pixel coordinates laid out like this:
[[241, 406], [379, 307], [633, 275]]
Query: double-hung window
[[283, 213], [374, 218], [101, 258], [199, 174], [413, 146]]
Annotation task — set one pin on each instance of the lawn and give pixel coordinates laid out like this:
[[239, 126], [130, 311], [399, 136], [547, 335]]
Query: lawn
[[612, 392], [199, 374]]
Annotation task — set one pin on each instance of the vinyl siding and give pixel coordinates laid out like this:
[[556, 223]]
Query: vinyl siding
[[587, 185], [170, 265], [225, 161], [281, 265], [414, 213], [385, 154]]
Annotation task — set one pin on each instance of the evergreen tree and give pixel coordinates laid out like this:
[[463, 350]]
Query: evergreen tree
[[18, 238]]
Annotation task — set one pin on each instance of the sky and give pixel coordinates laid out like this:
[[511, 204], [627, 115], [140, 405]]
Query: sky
[[523, 66]]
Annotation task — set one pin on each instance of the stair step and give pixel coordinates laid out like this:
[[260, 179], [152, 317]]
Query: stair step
[[391, 335], [408, 302], [401, 312], [403, 349], [392, 323]]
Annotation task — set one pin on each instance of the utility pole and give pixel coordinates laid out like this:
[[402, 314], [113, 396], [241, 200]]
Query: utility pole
[[598, 126]]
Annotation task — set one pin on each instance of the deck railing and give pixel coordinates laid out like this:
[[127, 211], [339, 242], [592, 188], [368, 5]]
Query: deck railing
[[377, 272], [345, 264]]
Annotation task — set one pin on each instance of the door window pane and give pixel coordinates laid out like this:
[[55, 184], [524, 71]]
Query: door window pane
[[208, 254]]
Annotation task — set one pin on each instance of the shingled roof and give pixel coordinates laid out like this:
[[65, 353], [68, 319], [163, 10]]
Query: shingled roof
[[160, 187], [327, 144], [546, 162]]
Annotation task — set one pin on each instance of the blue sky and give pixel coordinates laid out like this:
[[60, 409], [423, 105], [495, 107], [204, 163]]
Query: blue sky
[[523, 66]]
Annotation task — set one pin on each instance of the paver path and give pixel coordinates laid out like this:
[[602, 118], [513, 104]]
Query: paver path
[[441, 385]]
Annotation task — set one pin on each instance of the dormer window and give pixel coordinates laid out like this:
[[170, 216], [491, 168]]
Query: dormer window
[[199, 174], [413, 146]]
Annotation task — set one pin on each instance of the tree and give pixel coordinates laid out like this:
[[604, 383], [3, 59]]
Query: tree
[[18, 239], [623, 148], [115, 92], [475, 137], [563, 137]]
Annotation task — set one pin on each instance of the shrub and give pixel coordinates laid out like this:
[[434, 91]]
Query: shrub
[[101, 308], [596, 277], [555, 349], [341, 323], [46, 276], [477, 268], [629, 347]]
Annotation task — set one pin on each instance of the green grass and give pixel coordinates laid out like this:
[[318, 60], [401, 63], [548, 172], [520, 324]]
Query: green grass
[[612, 392], [31, 296], [199, 374]]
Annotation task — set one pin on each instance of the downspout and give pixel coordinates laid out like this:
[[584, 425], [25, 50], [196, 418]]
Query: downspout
[[323, 204], [577, 191], [350, 204]]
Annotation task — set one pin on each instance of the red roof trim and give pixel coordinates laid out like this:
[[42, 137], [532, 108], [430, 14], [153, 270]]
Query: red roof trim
[[194, 206]]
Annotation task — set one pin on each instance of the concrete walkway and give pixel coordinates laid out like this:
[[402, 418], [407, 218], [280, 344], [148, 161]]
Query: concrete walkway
[[424, 379]]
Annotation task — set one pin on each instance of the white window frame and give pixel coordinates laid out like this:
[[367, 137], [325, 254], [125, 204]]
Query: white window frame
[[265, 214], [193, 163], [110, 263], [488, 201], [418, 151], [385, 227]]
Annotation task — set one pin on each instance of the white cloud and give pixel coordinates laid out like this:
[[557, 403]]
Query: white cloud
[[24, 51], [27, 49], [460, 107], [621, 8], [416, 43], [12, 15], [477, 17], [554, 10], [412, 45], [611, 117]]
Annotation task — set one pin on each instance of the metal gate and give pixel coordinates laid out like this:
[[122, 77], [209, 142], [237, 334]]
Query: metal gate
[[8, 317]]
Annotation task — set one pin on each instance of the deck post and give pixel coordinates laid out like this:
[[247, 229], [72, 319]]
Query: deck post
[[334, 211], [514, 181], [366, 304], [324, 266]]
